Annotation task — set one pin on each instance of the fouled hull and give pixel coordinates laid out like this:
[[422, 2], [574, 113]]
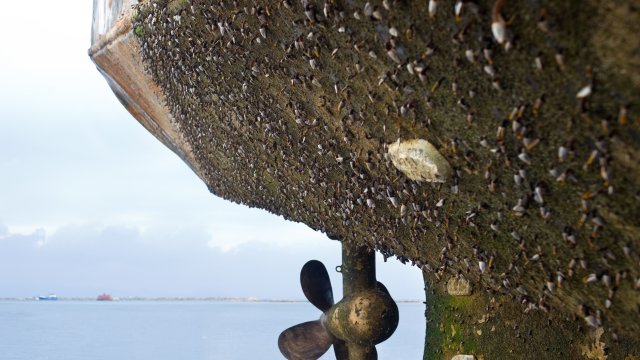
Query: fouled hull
[[494, 145]]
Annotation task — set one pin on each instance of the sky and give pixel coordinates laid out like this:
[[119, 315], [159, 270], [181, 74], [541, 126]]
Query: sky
[[90, 202]]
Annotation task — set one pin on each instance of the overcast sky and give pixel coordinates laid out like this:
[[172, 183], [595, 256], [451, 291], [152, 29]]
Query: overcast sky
[[90, 202]]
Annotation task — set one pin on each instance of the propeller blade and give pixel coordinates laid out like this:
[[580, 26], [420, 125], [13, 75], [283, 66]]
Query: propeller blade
[[306, 341], [373, 355], [342, 352], [316, 285], [340, 349], [383, 288]]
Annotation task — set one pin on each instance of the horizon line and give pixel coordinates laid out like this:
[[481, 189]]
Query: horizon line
[[177, 298]]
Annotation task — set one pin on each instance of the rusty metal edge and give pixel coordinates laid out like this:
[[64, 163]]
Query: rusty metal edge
[[116, 54]]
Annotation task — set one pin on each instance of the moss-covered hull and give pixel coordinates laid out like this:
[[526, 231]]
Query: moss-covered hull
[[291, 106]]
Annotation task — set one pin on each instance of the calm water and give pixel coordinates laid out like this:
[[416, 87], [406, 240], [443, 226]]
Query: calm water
[[77, 330]]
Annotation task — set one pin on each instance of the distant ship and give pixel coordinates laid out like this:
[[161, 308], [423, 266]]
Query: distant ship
[[50, 297], [104, 297]]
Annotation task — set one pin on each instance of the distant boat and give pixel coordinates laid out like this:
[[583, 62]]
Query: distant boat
[[50, 297], [104, 297]]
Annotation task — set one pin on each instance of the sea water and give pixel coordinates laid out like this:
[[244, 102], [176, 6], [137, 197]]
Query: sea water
[[171, 330]]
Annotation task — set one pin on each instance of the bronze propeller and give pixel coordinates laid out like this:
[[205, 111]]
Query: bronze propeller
[[367, 315]]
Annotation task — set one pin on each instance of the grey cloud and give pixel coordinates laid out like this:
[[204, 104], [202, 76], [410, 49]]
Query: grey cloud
[[87, 260]]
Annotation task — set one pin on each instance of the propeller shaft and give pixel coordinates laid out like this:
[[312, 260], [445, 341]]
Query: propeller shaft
[[358, 269]]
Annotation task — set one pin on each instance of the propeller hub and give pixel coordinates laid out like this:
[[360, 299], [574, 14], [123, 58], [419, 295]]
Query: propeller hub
[[366, 318]]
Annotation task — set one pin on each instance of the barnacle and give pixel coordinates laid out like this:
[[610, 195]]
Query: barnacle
[[419, 160]]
